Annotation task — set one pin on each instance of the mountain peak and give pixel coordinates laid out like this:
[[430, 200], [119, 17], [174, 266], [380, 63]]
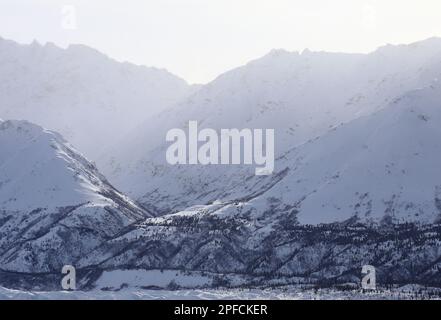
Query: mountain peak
[[84, 49], [432, 44], [306, 52], [51, 194], [278, 54]]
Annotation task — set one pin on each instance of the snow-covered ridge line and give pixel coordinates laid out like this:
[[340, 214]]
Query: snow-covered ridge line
[[77, 48], [88, 97]]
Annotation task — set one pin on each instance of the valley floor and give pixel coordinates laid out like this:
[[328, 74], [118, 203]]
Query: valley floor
[[408, 292]]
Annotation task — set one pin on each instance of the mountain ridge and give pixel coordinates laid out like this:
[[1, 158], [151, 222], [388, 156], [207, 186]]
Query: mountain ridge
[[302, 96], [80, 92]]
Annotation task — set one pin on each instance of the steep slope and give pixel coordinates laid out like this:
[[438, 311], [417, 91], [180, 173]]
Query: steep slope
[[273, 251], [378, 168], [81, 93], [55, 206], [301, 96], [261, 238], [366, 192]]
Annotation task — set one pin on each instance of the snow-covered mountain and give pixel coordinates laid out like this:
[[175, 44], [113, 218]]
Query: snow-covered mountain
[[381, 167], [55, 206], [253, 241], [300, 95], [89, 98], [356, 182], [365, 192]]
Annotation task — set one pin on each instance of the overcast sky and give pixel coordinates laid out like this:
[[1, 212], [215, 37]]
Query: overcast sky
[[200, 39]]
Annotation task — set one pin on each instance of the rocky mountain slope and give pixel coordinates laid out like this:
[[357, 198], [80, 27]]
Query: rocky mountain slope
[[301, 96], [55, 206], [356, 182], [264, 239], [366, 192]]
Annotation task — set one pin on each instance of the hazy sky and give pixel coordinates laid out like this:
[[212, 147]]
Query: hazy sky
[[199, 39]]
